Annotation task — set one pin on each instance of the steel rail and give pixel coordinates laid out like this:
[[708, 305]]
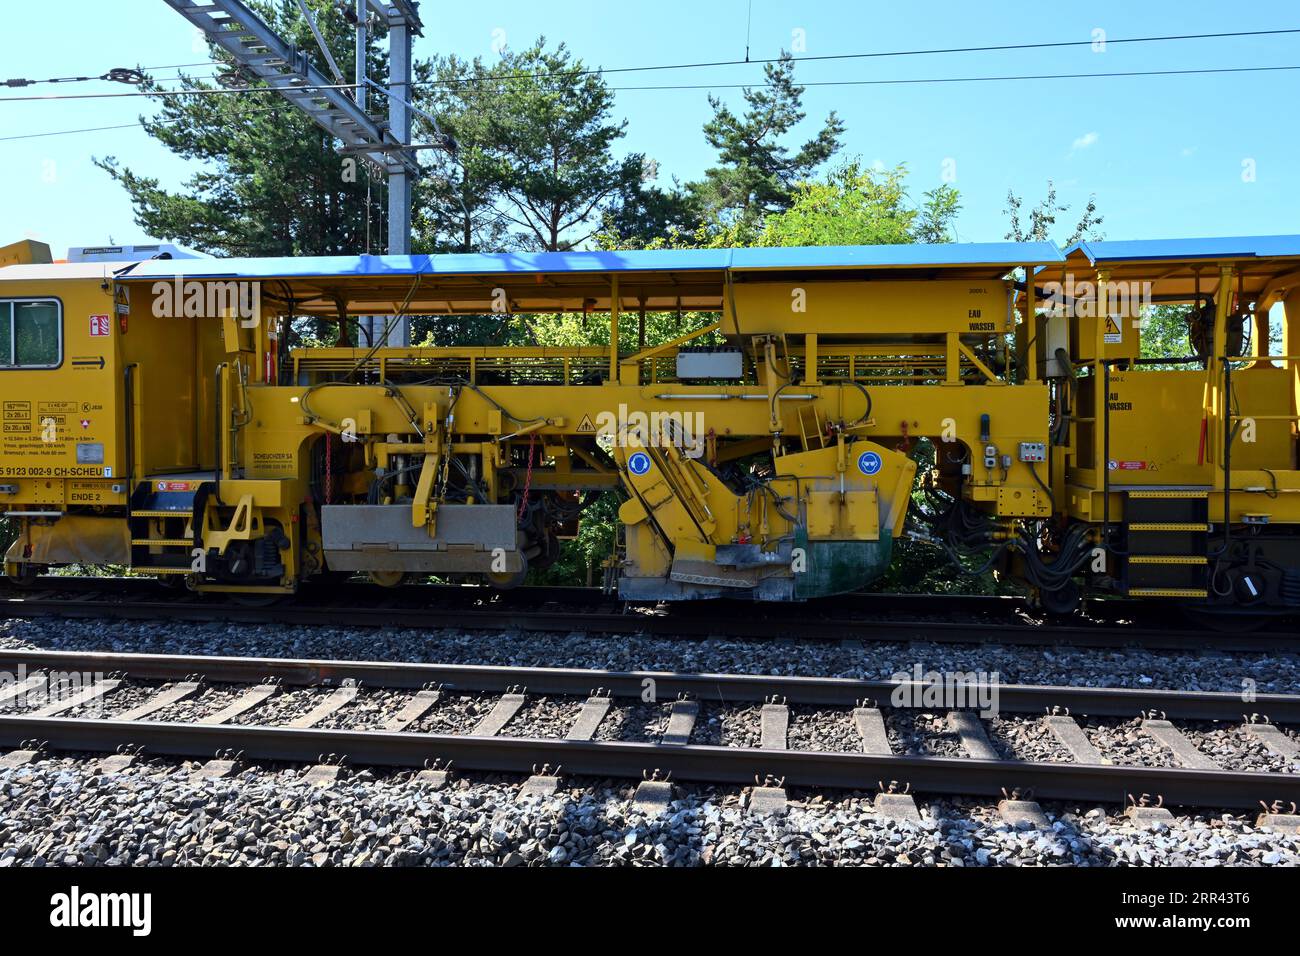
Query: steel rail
[[723, 689], [673, 625], [691, 762], [533, 594], [425, 594]]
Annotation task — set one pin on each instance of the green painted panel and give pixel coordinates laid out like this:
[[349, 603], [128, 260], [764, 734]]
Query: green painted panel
[[837, 567]]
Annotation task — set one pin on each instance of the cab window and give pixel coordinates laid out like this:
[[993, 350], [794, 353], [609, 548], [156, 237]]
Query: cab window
[[31, 333]]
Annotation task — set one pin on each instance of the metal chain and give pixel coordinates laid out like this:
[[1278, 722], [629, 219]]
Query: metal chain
[[528, 478]]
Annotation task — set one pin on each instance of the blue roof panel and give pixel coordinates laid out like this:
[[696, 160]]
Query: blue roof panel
[[997, 254], [991, 254], [1240, 247]]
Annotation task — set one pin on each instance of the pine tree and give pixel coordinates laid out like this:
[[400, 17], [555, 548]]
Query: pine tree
[[272, 182], [756, 172], [551, 136]]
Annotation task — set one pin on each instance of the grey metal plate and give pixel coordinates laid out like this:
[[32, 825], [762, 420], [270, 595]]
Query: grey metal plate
[[382, 538], [720, 364]]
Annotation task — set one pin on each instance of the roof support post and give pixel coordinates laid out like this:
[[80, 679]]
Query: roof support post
[[614, 309], [810, 359], [1100, 391], [372, 325], [399, 178], [1291, 342], [1031, 328], [1220, 403], [952, 359]]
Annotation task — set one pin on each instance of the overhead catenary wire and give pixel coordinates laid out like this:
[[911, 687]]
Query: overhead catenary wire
[[118, 73], [882, 54], [975, 79], [717, 86], [136, 125], [711, 86], [286, 88]]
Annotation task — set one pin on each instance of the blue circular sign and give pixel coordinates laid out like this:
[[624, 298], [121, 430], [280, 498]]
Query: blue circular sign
[[869, 462], [639, 463]]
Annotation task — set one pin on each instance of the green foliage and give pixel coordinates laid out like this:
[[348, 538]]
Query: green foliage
[[581, 559], [646, 216], [937, 214], [756, 172], [270, 182], [535, 149], [1164, 332], [8, 533], [1042, 219], [460, 213], [920, 567], [856, 205]]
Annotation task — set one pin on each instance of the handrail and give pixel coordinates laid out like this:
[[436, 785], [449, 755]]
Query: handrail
[[1104, 465], [128, 375], [1227, 459], [220, 433]]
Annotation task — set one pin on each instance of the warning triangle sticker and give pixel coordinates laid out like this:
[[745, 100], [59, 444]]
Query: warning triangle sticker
[[1112, 327], [585, 425]]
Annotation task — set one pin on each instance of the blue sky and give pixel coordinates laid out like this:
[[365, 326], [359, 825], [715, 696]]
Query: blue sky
[[1164, 155]]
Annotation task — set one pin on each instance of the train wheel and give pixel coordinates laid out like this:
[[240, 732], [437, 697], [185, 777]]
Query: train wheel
[[26, 576], [255, 599], [1062, 602], [506, 580], [386, 579], [548, 553]]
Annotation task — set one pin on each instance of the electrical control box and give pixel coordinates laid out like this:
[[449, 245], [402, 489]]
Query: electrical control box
[[710, 363], [1033, 451]]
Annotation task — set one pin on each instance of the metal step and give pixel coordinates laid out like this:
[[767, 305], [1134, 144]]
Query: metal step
[[1165, 492]]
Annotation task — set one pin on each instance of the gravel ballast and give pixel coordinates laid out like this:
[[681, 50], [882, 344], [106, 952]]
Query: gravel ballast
[[61, 810]]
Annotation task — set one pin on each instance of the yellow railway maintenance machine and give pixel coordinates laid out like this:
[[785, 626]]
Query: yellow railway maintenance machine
[[154, 419], [1187, 468]]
